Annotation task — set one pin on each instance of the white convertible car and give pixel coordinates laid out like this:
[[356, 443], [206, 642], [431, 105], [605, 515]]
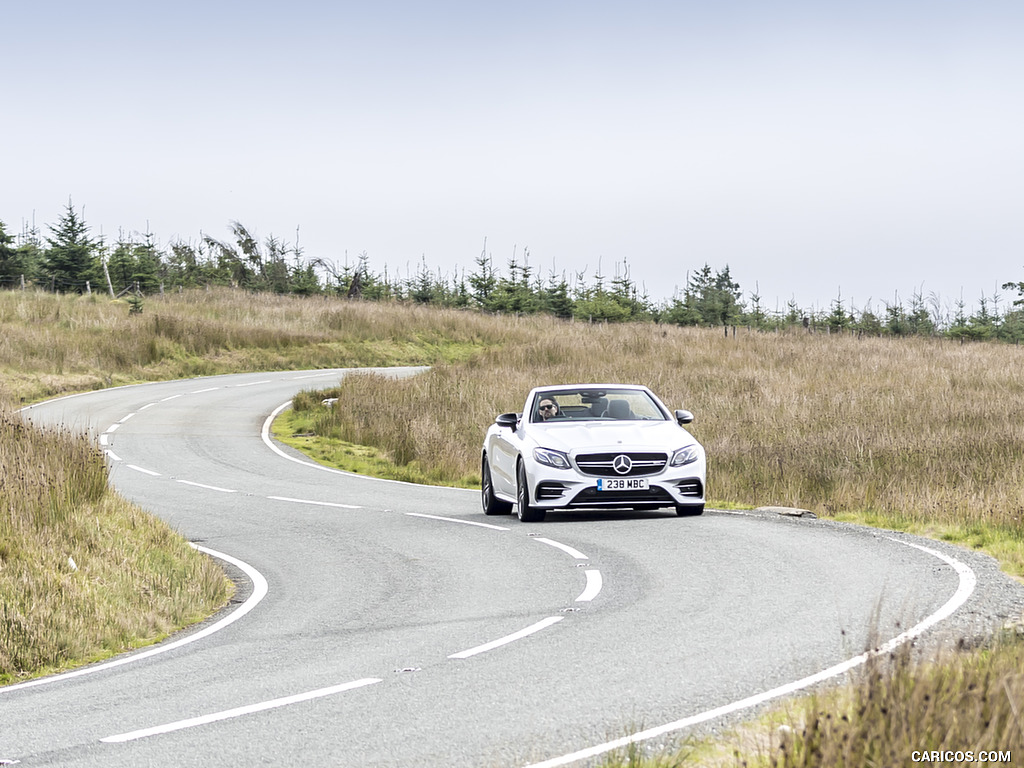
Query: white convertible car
[[593, 446]]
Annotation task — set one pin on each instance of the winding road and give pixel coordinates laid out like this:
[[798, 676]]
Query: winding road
[[386, 624]]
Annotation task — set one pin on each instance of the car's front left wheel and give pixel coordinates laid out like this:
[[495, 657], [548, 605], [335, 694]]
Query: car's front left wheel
[[689, 510], [492, 504], [526, 513]]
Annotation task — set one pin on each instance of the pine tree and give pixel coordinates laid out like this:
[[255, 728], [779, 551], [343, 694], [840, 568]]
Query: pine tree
[[70, 259], [9, 272], [483, 281]]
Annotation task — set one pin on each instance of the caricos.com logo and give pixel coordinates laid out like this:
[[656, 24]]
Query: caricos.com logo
[[959, 756]]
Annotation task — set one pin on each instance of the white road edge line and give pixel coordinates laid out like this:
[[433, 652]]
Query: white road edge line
[[508, 638], [593, 588], [316, 503], [968, 581], [564, 547], [259, 591], [265, 434], [240, 711], [113, 456], [456, 520]]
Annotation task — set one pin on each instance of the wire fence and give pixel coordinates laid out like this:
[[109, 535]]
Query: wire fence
[[61, 285]]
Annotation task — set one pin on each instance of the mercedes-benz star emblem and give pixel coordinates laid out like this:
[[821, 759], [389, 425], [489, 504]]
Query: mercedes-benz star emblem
[[622, 464]]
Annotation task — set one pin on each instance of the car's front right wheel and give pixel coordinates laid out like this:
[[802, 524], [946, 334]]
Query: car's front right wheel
[[492, 504], [526, 513]]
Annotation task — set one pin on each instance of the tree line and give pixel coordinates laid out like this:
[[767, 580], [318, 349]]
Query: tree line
[[70, 259]]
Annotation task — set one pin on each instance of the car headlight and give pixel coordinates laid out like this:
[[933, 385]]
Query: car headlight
[[685, 456], [555, 459]]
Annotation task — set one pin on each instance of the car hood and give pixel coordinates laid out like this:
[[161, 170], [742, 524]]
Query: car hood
[[613, 436]]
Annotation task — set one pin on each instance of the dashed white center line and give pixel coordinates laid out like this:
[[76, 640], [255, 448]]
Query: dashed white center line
[[201, 391], [207, 487], [137, 468], [593, 588], [126, 418], [564, 547], [457, 520], [508, 638], [315, 503], [239, 711]]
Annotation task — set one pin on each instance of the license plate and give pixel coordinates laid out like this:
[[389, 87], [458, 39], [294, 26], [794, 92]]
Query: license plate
[[623, 484]]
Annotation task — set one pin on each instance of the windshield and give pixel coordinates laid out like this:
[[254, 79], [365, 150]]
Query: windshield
[[595, 405]]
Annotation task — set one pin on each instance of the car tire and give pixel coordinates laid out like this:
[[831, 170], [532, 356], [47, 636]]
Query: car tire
[[689, 510], [492, 504], [526, 513]]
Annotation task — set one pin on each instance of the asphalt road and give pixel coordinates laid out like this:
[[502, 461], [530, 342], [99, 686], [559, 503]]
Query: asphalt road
[[386, 624]]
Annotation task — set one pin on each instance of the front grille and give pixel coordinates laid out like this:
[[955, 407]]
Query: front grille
[[690, 487], [591, 497], [602, 464]]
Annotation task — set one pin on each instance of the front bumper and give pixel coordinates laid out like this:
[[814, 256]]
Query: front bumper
[[563, 490]]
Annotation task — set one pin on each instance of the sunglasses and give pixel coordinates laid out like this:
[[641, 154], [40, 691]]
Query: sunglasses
[[548, 407]]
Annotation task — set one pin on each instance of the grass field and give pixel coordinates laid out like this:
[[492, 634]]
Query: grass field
[[914, 434]]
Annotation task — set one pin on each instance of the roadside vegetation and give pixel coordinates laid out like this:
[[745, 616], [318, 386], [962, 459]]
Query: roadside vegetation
[[959, 709], [52, 344], [83, 574], [921, 434]]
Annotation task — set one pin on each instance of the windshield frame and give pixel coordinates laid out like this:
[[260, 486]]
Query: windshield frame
[[591, 404]]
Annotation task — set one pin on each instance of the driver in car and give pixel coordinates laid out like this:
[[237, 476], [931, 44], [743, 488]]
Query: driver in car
[[548, 409]]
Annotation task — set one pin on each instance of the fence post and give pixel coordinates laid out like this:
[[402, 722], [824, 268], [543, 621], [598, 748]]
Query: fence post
[[23, 282], [110, 285]]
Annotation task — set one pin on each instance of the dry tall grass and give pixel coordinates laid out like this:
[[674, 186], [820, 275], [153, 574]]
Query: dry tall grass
[[83, 574], [51, 344], [901, 712], [913, 432]]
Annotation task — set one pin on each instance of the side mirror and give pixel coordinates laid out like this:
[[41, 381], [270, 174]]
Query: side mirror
[[684, 417], [507, 420]]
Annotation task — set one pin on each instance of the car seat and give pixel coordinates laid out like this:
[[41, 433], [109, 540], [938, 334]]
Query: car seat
[[619, 409]]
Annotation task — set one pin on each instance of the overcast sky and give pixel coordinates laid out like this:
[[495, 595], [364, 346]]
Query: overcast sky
[[872, 149]]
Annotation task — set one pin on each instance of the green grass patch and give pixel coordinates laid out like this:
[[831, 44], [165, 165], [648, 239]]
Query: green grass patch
[[1003, 541], [295, 429]]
